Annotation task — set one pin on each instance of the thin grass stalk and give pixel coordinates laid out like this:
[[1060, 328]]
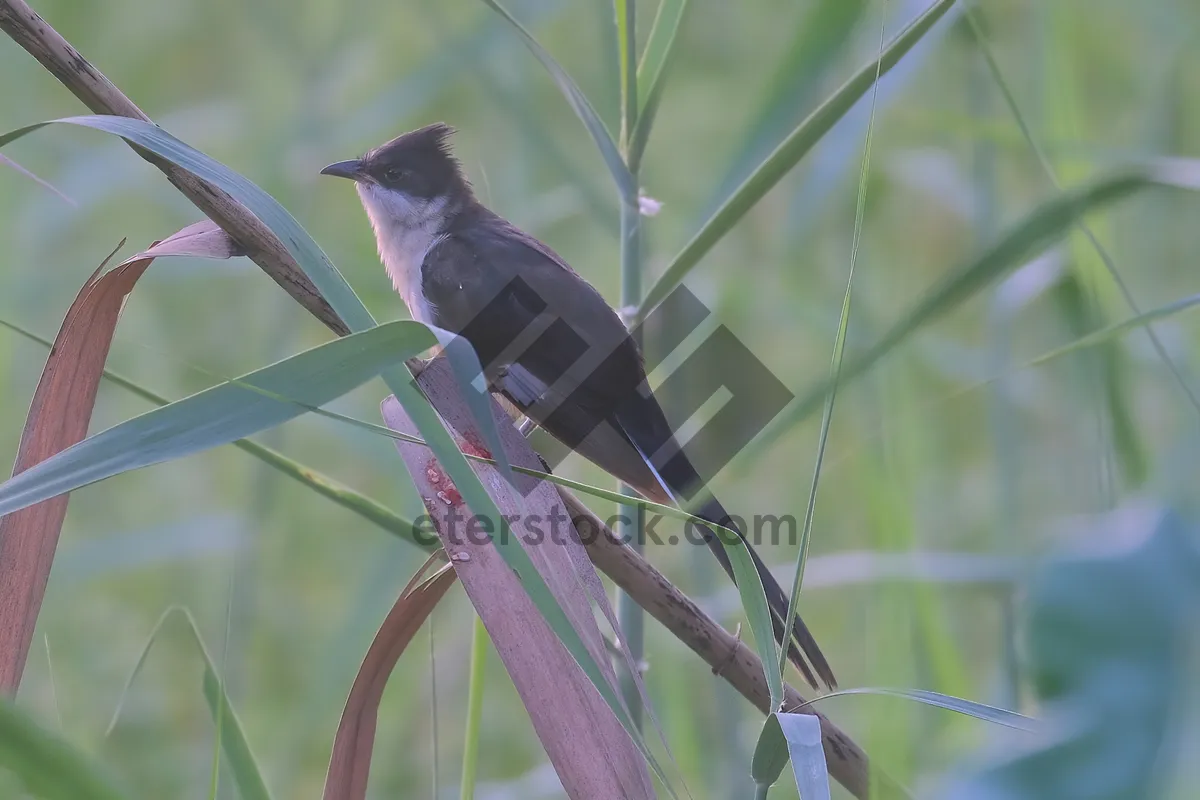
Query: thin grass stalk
[[630, 517], [839, 349], [479, 646]]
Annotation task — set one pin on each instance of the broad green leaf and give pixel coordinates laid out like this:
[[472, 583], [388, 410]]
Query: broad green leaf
[[579, 104], [1027, 238], [221, 414], [325, 277], [48, 766], [652, 73], [999, 716], [795, 738], [1109, 633], [344, 496], [246, 772], [787, 155]]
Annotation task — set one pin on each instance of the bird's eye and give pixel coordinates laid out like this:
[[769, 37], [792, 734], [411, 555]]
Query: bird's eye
[[394, 174]]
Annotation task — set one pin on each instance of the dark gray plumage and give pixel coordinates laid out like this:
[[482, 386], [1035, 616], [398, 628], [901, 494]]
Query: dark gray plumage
[[547, 339]]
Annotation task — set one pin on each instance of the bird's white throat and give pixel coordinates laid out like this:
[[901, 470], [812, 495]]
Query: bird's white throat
[[406, 229]]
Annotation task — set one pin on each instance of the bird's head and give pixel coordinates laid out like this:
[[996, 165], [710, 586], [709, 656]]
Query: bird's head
[[411, 181]]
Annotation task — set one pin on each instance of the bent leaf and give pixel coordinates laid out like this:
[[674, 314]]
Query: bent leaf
[[232, 736], [795, 738], [58, 418], [350, 762]]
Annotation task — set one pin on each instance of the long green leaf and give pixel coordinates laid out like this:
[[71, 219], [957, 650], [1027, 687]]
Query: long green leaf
[[344, 496], [626, 14], [221, 414], [652, 73], [795, 738], [1034, 233], [246, 772], [47, 765], [787, 155], [659, 45], [999, 716], [758, 613], [579, 104]]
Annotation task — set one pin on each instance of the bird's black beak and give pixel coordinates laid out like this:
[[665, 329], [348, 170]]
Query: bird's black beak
[[351, 169]]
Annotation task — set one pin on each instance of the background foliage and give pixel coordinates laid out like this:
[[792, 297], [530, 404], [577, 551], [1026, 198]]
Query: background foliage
[[923, 455]]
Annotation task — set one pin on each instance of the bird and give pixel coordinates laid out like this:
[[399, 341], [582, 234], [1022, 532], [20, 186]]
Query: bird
[[547, 339]]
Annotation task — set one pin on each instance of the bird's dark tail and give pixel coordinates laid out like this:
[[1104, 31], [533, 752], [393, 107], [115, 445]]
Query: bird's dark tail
[[646, 431], [681, 480], [777, 600]]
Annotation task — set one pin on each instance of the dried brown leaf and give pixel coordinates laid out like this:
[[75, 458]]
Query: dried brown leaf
[[350, 763], [58, 418], [591, 752]]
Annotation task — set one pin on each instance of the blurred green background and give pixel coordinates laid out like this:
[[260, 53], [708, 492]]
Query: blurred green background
[[926, 454]]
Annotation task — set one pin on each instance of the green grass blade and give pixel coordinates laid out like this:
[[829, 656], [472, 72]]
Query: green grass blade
[[652, 74], [788, 154], [795, 738], [758, 613], [323, 485], [982, 711], [659, 45], [835, 367], [221, 414], [479, 649], [47, 765], [579, 104], [626, 13], [1035, 232], [230, 734], [1117, 330]]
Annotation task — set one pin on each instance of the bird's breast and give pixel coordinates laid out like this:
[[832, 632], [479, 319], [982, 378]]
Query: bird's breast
[[404, 234]]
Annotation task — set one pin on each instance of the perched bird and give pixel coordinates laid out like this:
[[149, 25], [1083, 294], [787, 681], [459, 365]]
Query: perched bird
[[546, 338]]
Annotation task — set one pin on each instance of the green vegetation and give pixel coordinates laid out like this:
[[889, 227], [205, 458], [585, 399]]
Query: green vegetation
[[1024, 215]]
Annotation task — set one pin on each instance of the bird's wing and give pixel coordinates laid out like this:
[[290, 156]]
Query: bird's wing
[[547, 339]]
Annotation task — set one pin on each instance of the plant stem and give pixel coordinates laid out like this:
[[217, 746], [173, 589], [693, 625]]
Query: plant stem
[[630, 518], [479, 648], [629, 614]]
